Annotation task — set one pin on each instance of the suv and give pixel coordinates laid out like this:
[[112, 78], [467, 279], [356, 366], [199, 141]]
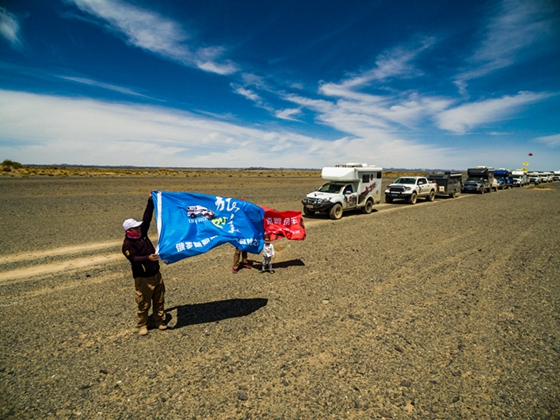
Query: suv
[[195, 211]]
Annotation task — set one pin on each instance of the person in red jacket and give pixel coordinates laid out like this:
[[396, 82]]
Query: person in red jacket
[[148, 282]]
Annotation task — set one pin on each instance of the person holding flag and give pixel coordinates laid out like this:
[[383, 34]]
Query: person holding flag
[[144, 261]]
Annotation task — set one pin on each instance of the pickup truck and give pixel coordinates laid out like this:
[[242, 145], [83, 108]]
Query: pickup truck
[[411, 188]]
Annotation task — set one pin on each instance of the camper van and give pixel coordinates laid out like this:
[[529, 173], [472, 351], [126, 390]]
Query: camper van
[[519, 178], [351, 186], [480, 180]]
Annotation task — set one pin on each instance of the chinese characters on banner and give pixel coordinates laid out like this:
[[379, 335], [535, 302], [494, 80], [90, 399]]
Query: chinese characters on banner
[[288, 224]]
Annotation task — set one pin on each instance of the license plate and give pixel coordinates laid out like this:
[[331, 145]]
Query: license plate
[[469, 188], [395, 195]]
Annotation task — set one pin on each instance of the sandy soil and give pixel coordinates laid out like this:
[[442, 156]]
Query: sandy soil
[[439, 310]]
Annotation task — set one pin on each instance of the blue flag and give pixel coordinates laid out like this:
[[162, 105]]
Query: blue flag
[[190, 224]]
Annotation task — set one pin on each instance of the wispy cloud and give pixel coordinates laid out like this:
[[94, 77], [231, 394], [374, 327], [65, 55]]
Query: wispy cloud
[[360, 113], [9, 28], [470, 115], [288, 114], [95, 83], [516, 25], [247, 93], [162, 36], [552, 141], [393, 63]]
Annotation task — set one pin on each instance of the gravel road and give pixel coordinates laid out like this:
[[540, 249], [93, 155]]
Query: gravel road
[[443, 310]]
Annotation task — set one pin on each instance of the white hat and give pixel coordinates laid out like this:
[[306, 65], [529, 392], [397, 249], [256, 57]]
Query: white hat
[[130, 223]]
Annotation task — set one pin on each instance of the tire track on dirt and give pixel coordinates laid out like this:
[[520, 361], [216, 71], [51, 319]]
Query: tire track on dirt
[[23, 274], [68, 250]]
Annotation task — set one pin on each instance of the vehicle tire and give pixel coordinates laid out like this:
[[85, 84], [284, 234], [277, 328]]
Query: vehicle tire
[[336, 211], [388, 199], [454, 194], [308, 212], [368, 208], [412, 198], [482, 191], [431, 196]]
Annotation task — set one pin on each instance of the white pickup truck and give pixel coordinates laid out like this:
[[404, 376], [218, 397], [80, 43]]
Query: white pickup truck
[[411, 188]]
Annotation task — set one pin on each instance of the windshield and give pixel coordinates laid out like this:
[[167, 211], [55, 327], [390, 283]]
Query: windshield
[[405, 181], [474, 179], [330, 188]]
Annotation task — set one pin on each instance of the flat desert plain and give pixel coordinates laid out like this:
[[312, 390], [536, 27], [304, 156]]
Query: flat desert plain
[[443, 310]]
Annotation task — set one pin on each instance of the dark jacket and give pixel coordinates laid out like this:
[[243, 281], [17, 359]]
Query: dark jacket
[[138, 250]]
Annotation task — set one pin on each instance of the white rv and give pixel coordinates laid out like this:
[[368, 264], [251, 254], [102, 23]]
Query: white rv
[[351, 186], [519, 178]]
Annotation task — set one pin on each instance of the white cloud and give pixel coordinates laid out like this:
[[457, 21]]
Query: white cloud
[[552, 141], [9, 28], [390, 64], [288, 114], [85, 131], [470, 115], [516, 25], [115, 88], [148, 30], [247, 93]]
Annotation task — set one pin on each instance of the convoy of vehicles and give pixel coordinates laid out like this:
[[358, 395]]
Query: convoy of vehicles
[[351, 186], [410, 188], [357, 186]]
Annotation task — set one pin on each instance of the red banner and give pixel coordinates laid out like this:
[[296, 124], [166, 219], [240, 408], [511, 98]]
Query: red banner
[[288, 224]]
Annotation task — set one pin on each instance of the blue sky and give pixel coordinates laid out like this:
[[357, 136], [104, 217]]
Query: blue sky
[[221, 83]]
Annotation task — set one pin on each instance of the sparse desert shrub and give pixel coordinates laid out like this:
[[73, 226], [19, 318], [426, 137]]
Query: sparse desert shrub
[[7, 163]]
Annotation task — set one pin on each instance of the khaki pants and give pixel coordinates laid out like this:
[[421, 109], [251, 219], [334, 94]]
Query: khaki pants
[[150, 289], [237, 256]]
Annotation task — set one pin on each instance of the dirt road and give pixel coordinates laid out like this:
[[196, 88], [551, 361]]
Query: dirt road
[[438, 310]]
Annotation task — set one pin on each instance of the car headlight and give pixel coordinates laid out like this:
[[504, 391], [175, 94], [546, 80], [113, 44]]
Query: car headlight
[[407, 188]]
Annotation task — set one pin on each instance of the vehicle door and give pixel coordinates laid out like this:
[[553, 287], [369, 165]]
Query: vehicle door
[[350, 196], [422, 186]]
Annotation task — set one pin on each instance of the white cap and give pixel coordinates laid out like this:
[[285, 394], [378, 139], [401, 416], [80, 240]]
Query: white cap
[[130, 223]]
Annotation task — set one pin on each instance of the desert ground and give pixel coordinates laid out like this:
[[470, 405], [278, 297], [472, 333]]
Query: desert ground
[[443, 310]]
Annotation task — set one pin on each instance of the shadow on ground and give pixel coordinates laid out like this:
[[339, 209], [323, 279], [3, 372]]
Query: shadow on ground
[[282, 264], [202, 313]]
